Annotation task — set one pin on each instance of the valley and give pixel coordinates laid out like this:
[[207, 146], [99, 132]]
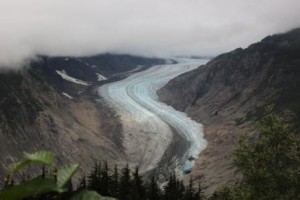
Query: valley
[[155, 136], [149, 100]]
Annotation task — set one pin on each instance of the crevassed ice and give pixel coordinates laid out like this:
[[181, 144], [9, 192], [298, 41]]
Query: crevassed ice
[[136, 101]]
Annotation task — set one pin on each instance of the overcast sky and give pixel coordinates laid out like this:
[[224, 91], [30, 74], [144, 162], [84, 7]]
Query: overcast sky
[[142, 27]]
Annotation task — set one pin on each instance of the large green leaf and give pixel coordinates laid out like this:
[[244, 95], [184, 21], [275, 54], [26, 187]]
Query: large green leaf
[[65, 173], [20, 165], [90, 195], [41, 157], [35, 186]]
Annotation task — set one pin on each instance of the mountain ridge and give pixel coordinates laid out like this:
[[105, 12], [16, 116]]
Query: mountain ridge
[[229, 93]]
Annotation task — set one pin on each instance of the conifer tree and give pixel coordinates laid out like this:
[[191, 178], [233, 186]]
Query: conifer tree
[[171, 190], [93, 179], [125, 184], [153, 191], [69, 193], [138, 189], [190, 191], [114, 190], [181, 189], [82, 184], [105, 180], [200, 193]]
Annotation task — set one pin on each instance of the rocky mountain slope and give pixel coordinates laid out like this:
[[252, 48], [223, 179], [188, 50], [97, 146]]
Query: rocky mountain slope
[[50, 105], [229, 93], [62, 72]]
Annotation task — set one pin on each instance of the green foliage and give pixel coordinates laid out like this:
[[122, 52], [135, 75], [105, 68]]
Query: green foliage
[[44, 158], [65, 174], [127, 185], [270, 164], [89, 195], [124, 185], [235, 192], [176, 190], [32, 187], [53, 186], [37, 185]]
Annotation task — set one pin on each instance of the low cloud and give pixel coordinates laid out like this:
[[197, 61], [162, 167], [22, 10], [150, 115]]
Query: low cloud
[[142, 27]]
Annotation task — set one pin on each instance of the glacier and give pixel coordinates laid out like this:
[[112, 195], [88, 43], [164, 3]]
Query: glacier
[[150, 126]]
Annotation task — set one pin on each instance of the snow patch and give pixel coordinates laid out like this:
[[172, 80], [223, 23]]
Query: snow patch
[[101, 77], [67, 95], [65, 76]]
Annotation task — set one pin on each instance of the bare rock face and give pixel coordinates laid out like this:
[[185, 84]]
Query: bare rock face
[[36, 117], [229, 93]]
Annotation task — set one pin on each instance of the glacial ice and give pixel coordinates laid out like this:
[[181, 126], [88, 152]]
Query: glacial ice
[[147, 122]]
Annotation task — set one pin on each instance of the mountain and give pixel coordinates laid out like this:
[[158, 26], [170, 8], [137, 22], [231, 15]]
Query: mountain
[[229, 93], [62, 72], [51, 105]]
